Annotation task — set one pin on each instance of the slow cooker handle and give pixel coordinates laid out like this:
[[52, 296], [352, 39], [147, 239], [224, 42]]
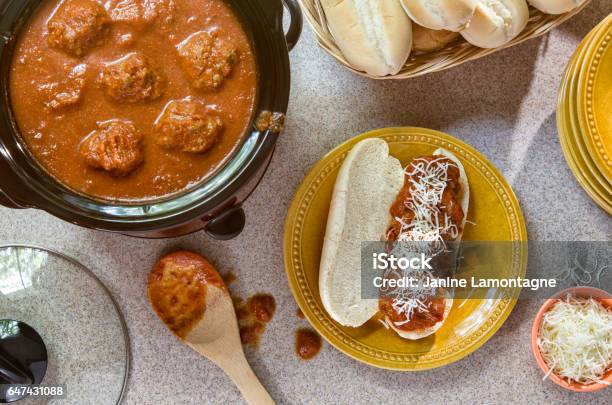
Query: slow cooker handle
[[7, 202], [228, 225], [10, 185], [295, 25]]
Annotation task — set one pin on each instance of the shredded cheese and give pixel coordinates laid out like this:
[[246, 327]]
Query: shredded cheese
[[428, 180], [425, 233], [575, 340]]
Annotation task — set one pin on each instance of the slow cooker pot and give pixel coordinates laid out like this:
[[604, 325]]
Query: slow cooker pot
[[215, 204]]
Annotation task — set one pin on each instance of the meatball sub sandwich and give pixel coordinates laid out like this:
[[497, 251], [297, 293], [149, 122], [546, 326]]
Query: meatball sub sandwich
[[375, 199]]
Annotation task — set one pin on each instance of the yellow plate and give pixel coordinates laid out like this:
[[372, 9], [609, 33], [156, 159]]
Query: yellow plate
[[584, 159], [576, 154], [493, 208], [595, 98], [580, 163]]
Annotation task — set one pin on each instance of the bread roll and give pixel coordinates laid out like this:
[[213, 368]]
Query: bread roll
[[465, 185], [367, 184], [556, 6], [375, 36], [451, 15], [448, 302], [428, 40], [496, 22]]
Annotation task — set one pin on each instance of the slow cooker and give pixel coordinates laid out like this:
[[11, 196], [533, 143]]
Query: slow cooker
[[215, 205]]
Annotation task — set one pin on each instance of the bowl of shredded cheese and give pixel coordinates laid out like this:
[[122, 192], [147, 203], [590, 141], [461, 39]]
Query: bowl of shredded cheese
[[571, 339]]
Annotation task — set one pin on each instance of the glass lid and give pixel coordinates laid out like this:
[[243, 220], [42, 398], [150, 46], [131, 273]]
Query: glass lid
[[47, 294]]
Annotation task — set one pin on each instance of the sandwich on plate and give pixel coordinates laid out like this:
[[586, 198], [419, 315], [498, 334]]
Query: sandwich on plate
[[375, 199]]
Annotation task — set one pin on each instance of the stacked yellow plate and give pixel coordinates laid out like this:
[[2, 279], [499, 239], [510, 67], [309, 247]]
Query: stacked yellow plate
[[584, 114]]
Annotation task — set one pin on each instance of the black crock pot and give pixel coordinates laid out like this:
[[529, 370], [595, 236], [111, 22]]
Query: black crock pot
[[215, 204]]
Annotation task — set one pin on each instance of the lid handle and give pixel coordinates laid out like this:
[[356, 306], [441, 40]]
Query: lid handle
[[23, 358], [12, 374], [228, 225]]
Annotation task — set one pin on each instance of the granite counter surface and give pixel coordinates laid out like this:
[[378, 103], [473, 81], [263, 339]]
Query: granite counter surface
[[503, 105]]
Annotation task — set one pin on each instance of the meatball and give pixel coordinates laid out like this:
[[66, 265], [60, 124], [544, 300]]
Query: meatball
[[76, 26], [206, 59], [188, 125], [131, 79], [68, 91], [142, 12], [116, 146]]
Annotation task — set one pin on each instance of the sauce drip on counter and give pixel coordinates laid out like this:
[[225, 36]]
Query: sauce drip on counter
[[307, 343], [253, 317], [179, 75], [177, 288], [262, 306], [229, 278]]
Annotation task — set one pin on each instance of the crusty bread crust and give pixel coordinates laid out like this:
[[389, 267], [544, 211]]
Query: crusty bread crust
[[428, 40], [374, 36], [367, 184], [450, 15], [555, 6], [491, 28]]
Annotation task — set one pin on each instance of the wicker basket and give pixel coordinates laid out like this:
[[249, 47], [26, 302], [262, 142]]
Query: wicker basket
[[454, 54]]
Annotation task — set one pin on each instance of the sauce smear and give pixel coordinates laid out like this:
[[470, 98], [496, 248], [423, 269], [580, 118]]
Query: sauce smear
[[253, 317], [307, 343], [177, 288]]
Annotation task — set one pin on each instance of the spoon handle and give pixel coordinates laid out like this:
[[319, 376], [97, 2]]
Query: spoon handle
[[239, 370]]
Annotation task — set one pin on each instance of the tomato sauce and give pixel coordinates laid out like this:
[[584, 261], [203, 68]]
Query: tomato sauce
[[402, 212], [61, 88], [253, 317], [307, 343]]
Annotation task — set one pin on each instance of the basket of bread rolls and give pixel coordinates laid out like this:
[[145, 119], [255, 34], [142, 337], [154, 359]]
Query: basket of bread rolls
[[400, 39]]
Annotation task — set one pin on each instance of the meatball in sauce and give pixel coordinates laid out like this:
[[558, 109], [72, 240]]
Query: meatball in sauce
[[78, 63], [116, 146], [77, 25], [131, 79], [142, 12], [206, 59], [188, 125]]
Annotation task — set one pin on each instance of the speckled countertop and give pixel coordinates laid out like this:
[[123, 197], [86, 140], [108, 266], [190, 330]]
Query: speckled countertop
[[503, 105]]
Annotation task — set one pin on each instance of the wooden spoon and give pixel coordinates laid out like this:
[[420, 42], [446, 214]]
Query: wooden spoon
[[192, 300]]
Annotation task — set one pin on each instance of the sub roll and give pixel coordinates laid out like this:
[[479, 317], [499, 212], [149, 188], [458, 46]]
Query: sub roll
[[556, 6], [375, 36], [496, 22], [375, 199], [428, 40], [367, 184], [450, 15]]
